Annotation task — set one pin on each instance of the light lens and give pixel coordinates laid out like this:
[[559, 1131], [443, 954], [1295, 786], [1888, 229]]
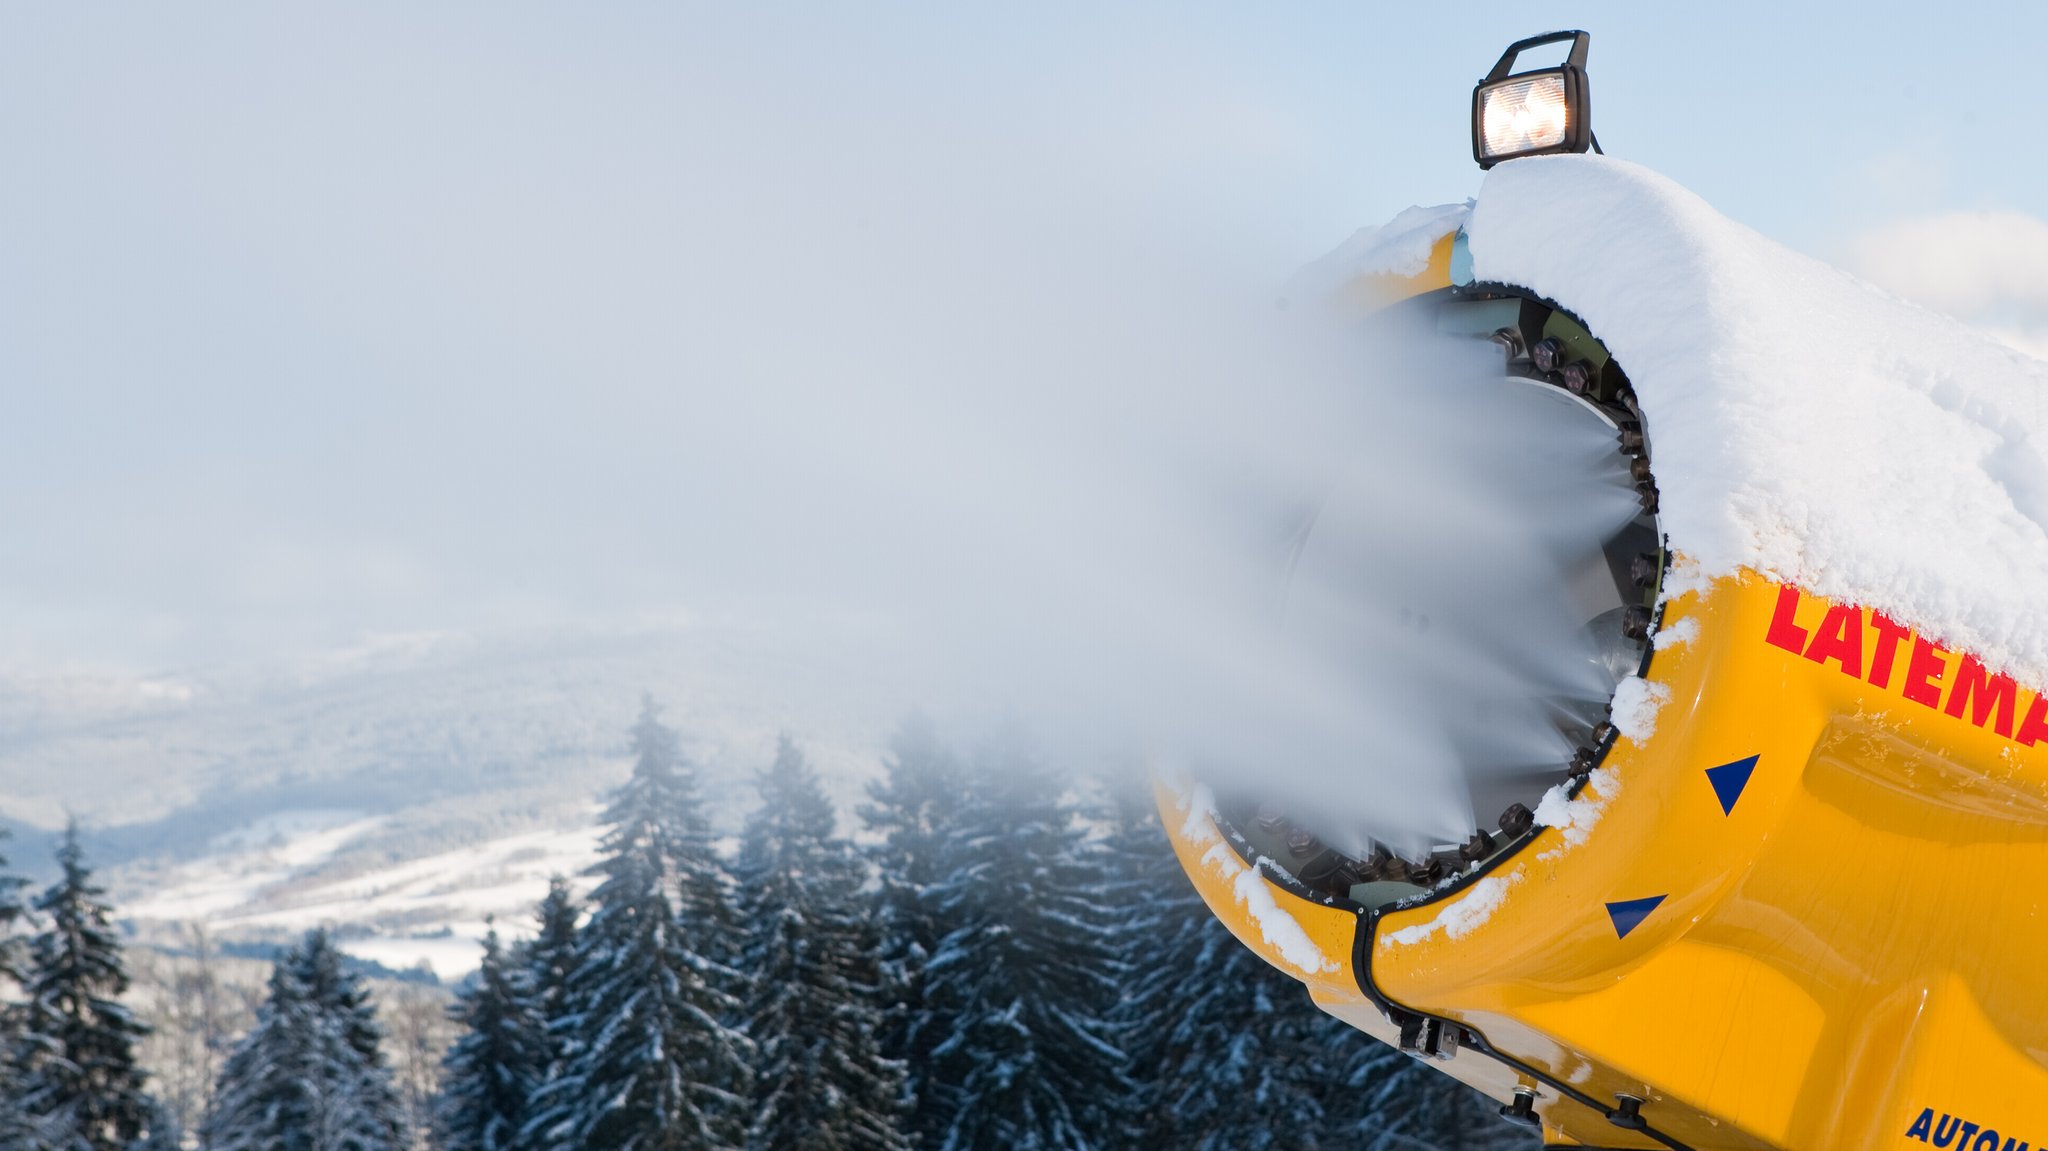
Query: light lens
[[1524, 114]]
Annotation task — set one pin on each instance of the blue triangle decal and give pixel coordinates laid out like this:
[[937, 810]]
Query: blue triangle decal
[[1630, 913], [1729, 779]]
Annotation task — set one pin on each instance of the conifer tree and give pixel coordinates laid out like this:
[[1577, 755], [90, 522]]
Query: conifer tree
[[317, 968], [492, 1072], [814, 1012], [17, 1127], [650, 1062], [21, 1130], [1250, 1063], [14, 916], [165, 1132], [339, 994], [659, 808], [912, 809], [1396, 1102], [1026, 974], [78, 1046], [308, 1076], [548, 959], [1226, 1053]]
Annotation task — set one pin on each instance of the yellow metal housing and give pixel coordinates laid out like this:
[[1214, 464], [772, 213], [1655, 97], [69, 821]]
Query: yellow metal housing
[[1801, 908]]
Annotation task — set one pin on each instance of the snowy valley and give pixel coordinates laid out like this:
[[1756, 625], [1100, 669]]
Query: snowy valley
[[399, 794]]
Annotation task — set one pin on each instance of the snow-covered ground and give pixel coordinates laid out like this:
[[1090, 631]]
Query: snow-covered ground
[[274, 881]]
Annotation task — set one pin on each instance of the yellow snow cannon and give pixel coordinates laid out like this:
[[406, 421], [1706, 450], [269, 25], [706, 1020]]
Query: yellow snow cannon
[[1791, 890]]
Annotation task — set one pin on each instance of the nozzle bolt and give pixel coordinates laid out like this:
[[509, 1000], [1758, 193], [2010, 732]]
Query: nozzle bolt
[[1427, 872], [1582, 762], [1639, 470], [1630, 433], [1646, 495], [1545, 353], [1516, 821], [1578, 377], [1644, 569], [1510, 341], [1476, 848], [1602, 732], [1345, 876], [1635, 623], [1301, 842], [1270, 819]]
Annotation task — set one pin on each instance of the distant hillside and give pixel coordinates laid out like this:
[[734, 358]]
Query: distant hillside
[[403, 791]]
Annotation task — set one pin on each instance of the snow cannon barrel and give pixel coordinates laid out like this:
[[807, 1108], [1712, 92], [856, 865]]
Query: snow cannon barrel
[[1789, 888]]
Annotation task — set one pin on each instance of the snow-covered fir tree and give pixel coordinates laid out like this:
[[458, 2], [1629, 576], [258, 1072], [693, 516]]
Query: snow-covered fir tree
[[492, 1072], [1025, 977], [1226, 1053], [166, 1133], [308, 1076], [814, 1010], [22, 1131], [659, 807], [650, 1059], [320, 973], [912, 809], [340, 994], [1145, 898], [1248, 1063], [13, 918], [1396, 1102], [78, 1039], [17, 1127], [548, 959]]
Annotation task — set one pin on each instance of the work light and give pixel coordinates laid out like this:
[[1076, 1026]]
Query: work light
[[1533, 113]]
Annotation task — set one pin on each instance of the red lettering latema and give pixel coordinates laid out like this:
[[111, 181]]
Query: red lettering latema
[[1844, 637]]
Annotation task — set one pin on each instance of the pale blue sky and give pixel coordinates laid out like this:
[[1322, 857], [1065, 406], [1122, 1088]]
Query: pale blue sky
[[319, 321]]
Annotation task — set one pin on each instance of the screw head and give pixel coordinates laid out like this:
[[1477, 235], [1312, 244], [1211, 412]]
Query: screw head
[[1582, 762], [1427, 872], [1545, 354], [1522, 1112], [1476, 848], [1627, 1113]]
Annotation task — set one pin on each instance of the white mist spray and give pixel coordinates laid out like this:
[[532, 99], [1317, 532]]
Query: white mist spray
[[1355, 571]]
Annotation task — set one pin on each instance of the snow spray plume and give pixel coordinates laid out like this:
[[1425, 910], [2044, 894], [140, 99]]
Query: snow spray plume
[[1340, 564], [949, 364]]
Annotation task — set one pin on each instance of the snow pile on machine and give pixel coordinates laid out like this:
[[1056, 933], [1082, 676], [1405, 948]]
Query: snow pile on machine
[[1807, 425]]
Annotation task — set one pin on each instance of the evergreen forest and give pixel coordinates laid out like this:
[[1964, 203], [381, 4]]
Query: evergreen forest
[[987, 954]]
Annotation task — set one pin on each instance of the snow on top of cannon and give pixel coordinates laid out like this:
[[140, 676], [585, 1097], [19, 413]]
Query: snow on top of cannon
[[1802, 422]]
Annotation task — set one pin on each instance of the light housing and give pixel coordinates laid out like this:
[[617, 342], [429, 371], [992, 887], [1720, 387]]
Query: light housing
[[1535, 113]]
